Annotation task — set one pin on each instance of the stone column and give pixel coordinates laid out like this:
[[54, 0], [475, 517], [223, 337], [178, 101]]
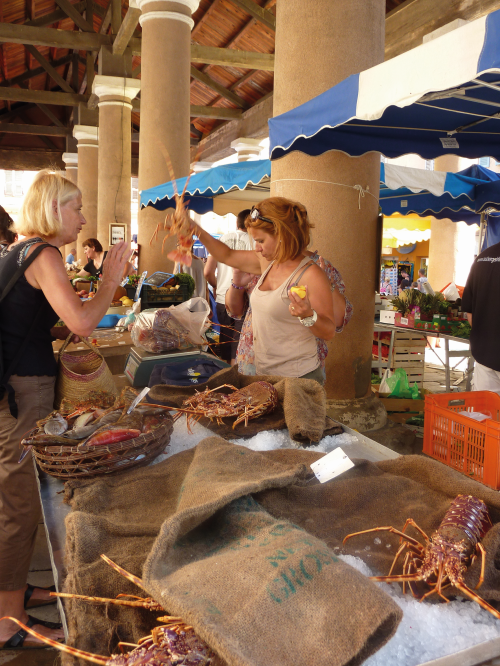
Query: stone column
[[165, 111], [70, 160], [88, 151], [114, 160], [246, 148], [318, 45], [452, 244]]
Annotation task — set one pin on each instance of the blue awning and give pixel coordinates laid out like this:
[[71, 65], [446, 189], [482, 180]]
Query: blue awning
[[440, 98], [204, 186], [457, 196]]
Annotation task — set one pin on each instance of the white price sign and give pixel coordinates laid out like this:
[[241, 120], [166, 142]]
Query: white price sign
[[333, 464]]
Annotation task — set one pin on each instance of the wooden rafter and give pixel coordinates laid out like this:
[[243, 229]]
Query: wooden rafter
[[75, 16], [126, 30], [41, 96], [53, 17], [87, 41], [41, 130], [31, 73], [221, 90], [262, 15], [51, 71], [203, 20]]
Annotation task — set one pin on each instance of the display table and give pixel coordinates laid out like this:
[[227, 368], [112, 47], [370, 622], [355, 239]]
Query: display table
[[114, 346], [449, 354]]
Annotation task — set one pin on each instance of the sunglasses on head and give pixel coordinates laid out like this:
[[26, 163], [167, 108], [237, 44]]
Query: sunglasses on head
[[255, 215]]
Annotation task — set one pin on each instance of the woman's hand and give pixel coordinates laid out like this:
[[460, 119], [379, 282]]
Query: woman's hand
[[117, 258], [300, 307]]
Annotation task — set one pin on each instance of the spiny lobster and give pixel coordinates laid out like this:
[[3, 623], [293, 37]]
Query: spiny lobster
[[247, 403], [178, 223], [446, 555], [170, 644]]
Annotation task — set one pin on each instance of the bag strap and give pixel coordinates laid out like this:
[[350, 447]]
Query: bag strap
[[5, 376], [84, 341], [296, 282]]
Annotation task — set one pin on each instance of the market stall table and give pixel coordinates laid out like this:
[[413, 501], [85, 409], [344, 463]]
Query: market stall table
[[449, 354]]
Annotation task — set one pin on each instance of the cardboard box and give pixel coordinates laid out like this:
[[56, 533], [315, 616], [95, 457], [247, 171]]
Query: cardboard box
[[387, 316]]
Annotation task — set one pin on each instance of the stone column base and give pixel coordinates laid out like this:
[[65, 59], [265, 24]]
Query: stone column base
[[361, 414]]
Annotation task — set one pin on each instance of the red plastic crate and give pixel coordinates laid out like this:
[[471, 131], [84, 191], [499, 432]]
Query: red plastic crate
[[469, 446]]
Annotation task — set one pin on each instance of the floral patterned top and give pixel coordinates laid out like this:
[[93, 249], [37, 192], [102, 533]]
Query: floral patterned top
[[245, 353]]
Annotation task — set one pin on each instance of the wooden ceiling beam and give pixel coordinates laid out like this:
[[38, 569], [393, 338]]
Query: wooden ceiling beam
[[213, 55], [17, 80], [221, 90], [51, 71], [87, 41], [40, 130], [126, 30], [52, 116], [75, 16], [41, 97], [53, 17], [262, 15]]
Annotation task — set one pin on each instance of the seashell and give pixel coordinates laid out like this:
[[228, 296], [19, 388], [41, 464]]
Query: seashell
[[56, 425]]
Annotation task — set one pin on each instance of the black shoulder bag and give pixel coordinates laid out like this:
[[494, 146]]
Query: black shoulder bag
[[6, 374]]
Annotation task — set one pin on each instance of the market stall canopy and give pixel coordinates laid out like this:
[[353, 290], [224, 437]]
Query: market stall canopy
[[402, 230], [251, 178], [458, 196], [438, 99]]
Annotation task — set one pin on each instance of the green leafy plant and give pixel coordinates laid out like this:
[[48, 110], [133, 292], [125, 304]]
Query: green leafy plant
[[461, 330], [184, 278]]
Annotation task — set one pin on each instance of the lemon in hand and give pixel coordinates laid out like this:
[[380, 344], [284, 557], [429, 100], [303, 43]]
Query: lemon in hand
[[300, 291]]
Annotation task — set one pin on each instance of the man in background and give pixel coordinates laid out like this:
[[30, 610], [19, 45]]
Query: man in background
[[70, 259], [481, 302], [219, 277], [423, 283], [405, 282]]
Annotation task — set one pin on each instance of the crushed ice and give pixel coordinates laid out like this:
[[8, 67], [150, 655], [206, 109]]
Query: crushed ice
[[429, 631]]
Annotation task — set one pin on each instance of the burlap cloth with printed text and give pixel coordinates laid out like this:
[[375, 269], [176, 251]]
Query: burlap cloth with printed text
[[302, 405], [243, 546]]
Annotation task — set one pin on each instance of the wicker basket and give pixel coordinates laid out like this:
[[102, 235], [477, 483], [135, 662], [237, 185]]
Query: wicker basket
[[84, 462]]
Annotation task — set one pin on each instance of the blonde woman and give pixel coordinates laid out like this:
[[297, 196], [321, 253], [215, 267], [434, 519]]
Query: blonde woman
[[285, 325], [50, 217]]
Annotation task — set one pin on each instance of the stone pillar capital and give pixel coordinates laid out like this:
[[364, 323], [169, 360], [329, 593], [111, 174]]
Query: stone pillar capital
[[70, 160], [164, 9], [246, 148], [86, 135], [115, 89]]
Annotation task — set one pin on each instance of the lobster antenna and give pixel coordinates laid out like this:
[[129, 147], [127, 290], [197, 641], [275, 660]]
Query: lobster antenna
[[170, 168], [96, 659], [133, 579]]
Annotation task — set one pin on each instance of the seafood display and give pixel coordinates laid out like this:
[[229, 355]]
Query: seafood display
[[89, 425], [172, 643], [446, 555], [247, 403], [179, 223]]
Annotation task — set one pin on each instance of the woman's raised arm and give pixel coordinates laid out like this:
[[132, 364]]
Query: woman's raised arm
[[245, 260]]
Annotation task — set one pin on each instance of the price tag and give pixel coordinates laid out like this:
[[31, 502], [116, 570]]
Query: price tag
[[449, 142], [404, 321], [333, 464], [404, 203]]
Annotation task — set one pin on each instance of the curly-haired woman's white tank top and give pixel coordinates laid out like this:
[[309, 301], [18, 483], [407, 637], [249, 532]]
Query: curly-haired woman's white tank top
[[282, 345]]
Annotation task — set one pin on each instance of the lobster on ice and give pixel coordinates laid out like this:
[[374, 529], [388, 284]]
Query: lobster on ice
[[247, 403], [446, 555], [171, 644]]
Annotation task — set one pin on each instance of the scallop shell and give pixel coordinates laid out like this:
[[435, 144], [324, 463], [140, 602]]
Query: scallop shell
[[56, 425]]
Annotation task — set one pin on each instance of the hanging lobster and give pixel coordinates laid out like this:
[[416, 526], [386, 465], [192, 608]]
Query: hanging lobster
[[444, 558], [247, 403], [171, 644]]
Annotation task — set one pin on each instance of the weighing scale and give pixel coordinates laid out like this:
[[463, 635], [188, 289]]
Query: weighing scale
[[140, 363]]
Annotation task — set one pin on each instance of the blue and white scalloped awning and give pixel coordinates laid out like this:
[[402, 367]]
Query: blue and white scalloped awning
[[456, 196], [205, 185], [442, 97]]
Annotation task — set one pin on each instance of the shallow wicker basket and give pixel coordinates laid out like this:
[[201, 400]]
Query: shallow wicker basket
[[80, 462]]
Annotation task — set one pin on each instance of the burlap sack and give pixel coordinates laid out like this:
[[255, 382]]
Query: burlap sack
[[122, 516], [303, 402]]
